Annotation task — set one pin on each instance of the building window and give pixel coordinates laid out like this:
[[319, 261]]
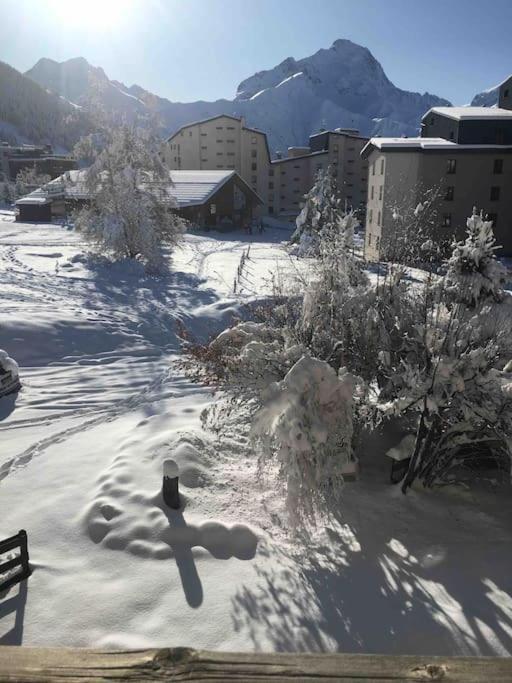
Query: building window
[[297, 179], [505, 93], [231, 142], [271, 186], [254, 179], [219, 154], [379, 216], [204, 161], [220, 166], [373, 168], [449, 193], [371, 193], [230, 128], [254, 153], [370, 216], [219, 142], [254, 140], [451, 166], [369, 239], [271, 171], [204, 147], [218, 127], [495, 193], [451, 135], [492, 217], [189, 133], [271, 209], [230, 154], [254, 166], [447, 220], [203, 135], [498, 167], [382, 166], [381, 189]]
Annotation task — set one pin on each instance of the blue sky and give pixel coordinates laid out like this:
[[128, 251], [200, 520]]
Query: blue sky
[[201, 49]]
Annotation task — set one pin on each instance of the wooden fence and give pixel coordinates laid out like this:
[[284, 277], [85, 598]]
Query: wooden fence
[[35, 665], [21, 560]]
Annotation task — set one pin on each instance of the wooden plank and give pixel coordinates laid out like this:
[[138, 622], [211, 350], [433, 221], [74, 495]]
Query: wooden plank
[[38, 665], [10, 564]]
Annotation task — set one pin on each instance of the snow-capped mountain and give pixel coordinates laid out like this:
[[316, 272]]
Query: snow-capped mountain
[[487, 98], [342, 86]]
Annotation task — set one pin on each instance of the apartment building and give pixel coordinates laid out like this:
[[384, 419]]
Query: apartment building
[[225, 142], [464, 154], [293, 176], [222, 143]]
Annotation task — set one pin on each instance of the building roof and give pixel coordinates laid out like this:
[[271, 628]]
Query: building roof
[[300, 156], [420, 144], [188, 188], [470, 113]]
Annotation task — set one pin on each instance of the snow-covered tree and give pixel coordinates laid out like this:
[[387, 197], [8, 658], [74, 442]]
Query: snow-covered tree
[[29, 179], [9, 374], [7, 193], [306, 422], [130, 210], [321, 210], [473, 272]]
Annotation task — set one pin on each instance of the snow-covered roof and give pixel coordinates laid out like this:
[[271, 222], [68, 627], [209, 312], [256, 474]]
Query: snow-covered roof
[[193, 188], [470, 113], [189, 188], [424, 144]]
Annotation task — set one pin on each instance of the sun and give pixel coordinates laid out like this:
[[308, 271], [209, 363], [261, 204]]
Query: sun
[[94, 15]]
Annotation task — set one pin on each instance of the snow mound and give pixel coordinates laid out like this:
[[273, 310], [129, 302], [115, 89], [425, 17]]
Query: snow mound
[[9, 374]]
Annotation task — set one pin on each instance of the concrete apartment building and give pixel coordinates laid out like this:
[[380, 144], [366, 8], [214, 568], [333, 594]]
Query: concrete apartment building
[[464, 154], [222, 143], [225, 142], [294, 175]]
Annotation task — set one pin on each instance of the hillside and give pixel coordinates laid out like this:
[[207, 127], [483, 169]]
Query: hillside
[[343, 85], [28, 113]]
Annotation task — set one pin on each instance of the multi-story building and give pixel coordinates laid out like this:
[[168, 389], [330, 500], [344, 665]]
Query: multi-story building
[[13, 159], [294, 175], [464, 155], [225, 142], [222, 143]]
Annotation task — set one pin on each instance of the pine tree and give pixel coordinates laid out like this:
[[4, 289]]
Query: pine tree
[[473, 273], [321, 209]]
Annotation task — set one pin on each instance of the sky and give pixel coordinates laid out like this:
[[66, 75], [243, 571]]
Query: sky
[[188, 50]]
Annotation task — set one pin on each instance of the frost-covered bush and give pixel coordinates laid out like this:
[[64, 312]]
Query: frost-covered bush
[[9, 374], [473, 273], [130, 210], [306, 421], [322, 209]]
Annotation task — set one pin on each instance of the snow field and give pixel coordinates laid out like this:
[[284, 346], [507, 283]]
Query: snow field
[[104, 405]]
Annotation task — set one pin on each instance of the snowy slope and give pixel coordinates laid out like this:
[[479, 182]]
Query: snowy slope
[[487, 98], [340, 86], [105, 402]]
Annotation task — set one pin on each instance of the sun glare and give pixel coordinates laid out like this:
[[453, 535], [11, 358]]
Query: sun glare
[[90, 14]]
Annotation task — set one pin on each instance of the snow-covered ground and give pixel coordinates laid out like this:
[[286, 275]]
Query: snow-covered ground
[[82, 447]]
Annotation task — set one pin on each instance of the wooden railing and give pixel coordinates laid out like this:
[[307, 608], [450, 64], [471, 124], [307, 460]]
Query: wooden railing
[[21, 560], [35, 665]]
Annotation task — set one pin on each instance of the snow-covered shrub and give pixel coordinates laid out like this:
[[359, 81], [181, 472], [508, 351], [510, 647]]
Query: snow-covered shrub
[[130, 211], [306, 420], [321, 210], [473, 273], [9, 374]]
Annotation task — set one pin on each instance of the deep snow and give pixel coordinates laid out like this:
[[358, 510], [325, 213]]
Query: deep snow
[[82, 447]]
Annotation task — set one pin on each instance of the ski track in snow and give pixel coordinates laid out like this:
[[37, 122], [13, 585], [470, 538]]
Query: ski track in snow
[[103, 405]]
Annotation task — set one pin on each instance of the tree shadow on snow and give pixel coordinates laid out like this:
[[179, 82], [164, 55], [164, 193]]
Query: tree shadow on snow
[[389, 582], [7, 405]]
